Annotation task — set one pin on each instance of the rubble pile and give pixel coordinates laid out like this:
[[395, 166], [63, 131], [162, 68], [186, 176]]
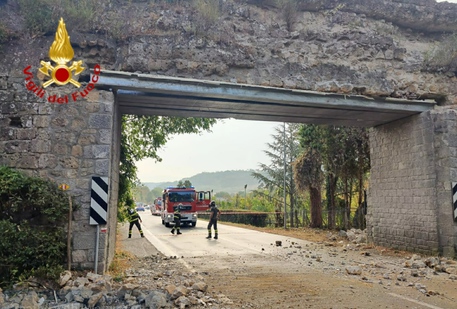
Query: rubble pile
[[347, 253], [167, 284]]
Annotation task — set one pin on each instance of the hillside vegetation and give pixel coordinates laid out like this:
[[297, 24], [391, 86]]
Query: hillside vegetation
[[225, 181]]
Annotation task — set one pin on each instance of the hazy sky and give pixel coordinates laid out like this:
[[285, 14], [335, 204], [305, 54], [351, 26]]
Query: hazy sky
[[232, 145]]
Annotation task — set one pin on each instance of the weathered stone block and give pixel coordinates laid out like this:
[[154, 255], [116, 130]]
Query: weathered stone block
[[98, 121], [92, 107], [27, 162], [69, 162], [60, 122], [8, 133], [40, 146], [17, 146], [78, 124], [47, 161], [104, 136], [102, 167], [79, 256], [101, 151], [87, 139], [41, 121], [60, 149], [77, 151], [85, 241]]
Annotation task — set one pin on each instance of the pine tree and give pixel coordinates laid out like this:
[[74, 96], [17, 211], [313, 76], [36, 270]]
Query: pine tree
[[277, 177]]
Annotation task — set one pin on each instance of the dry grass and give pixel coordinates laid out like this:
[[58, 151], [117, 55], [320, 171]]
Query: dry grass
[[121, 262]]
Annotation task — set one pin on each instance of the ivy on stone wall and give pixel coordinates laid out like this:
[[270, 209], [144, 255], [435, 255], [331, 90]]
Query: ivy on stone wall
[[33, 217]]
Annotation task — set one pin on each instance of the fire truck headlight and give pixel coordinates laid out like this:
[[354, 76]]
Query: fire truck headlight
[[170, 216], [194, 215]]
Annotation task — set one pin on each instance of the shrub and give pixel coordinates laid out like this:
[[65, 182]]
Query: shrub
[[289, 10], [42, 16], [443, 57], [33, 216], [208, 14]]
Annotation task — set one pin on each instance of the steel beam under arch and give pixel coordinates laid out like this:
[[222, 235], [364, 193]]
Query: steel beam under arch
[[144, 94]]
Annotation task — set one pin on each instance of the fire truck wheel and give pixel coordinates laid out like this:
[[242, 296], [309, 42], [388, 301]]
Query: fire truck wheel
[[163, 222], [194, 224]]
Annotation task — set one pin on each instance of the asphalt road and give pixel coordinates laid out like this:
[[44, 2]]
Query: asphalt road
[[247, 265], [192, 242]]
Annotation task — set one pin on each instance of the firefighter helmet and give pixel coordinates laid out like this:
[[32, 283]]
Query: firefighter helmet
[[212, 204]]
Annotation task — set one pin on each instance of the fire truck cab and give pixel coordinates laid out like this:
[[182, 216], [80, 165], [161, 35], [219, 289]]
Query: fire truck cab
[[191, 201], [156, 209]]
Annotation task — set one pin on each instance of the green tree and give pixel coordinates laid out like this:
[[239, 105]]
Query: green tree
[[340, 155], [141, 137], [355, 165], [307, 169], [283, 151], [140, 193], [156, 192], [222, 195], [185, 183], [260, 200]]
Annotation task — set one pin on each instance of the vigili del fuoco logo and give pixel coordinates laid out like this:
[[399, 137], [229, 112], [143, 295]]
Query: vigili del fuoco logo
[[61, 53]]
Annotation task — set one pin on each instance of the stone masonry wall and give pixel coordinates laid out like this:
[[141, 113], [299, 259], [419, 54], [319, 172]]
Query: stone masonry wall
[[409, 204], [68, 143], [445, 144]]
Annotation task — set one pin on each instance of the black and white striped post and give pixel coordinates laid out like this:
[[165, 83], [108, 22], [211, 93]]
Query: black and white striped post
[[98, 208], [454, 198]]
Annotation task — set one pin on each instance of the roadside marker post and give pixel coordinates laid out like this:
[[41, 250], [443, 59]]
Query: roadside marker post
[[98, 208], [65, 187]]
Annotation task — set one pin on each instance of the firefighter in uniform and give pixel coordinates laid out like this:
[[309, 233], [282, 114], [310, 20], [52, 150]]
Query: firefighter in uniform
[[177, 219], [134, 219], [213, 217]]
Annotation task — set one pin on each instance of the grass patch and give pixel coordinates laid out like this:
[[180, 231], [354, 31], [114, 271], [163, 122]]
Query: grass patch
[[42, 16], [121, 261], [443, 56], [208, 12]]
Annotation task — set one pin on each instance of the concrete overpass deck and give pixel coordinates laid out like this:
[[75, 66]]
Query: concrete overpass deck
[[145, 94]]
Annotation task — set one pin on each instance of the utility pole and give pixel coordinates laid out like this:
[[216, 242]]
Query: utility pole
[[245, 199]]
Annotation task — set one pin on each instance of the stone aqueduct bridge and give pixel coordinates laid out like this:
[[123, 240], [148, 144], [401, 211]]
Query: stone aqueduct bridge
[[413, 148]]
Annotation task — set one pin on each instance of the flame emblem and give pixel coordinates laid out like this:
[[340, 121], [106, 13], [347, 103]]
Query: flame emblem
[[61, 53]]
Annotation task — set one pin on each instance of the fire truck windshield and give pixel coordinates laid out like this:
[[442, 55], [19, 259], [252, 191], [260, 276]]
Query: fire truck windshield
[[181, 197]]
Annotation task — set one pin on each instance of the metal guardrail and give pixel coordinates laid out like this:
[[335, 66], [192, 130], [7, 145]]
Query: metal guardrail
[[276, 219]]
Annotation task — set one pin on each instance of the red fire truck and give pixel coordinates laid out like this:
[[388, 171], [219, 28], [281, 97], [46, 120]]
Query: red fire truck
[[156, 208], [192, 202]]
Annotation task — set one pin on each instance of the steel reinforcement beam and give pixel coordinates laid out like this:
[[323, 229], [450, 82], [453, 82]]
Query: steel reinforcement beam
[[145, 94]]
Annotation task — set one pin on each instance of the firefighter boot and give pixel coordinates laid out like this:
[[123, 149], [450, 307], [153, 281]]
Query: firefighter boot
[[209, 236], [173, 231], [179, 232], [215, 236]]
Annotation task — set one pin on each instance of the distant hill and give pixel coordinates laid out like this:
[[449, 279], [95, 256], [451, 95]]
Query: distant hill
[[226, 181]]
